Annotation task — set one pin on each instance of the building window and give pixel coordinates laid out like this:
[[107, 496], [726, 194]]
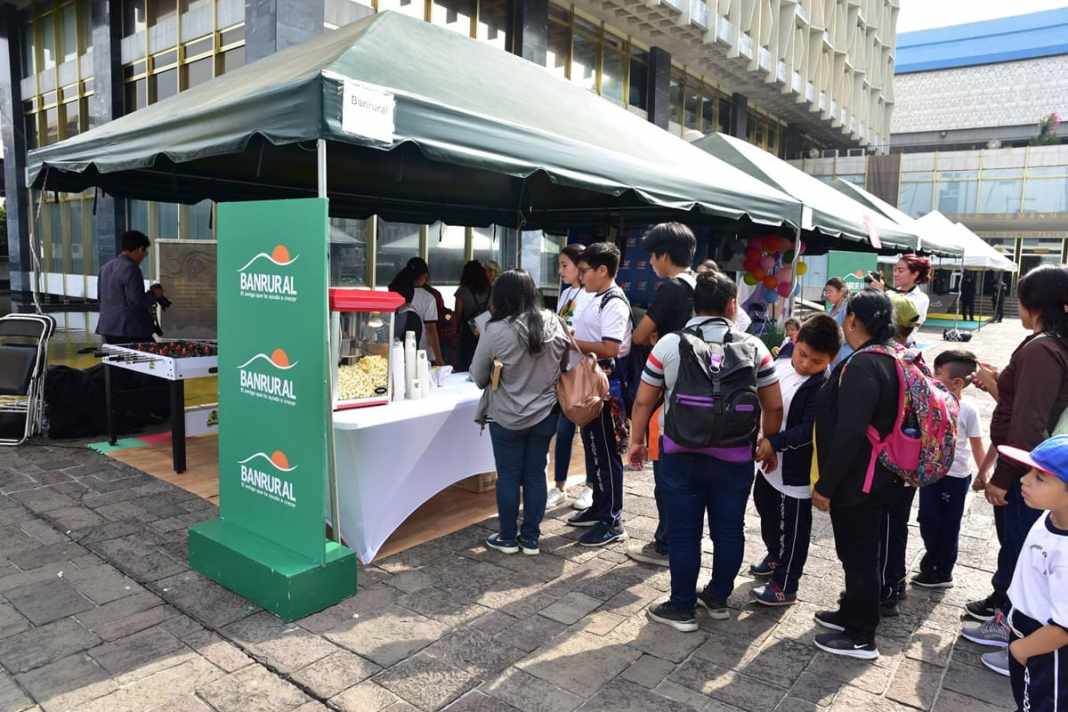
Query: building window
[[54, 41], [638, 84], [446, 252], [186, 42], [1046, 190], [957, 191], [348, 252], [67, 234], [396, 243], [486, 243], [585, 54]]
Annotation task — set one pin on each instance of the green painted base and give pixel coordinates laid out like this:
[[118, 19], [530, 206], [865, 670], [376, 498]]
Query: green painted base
[[273, 578]]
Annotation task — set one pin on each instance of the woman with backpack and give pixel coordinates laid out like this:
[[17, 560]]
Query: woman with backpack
[[1031, 394], [518, 360], [472, 299], [861, 392]]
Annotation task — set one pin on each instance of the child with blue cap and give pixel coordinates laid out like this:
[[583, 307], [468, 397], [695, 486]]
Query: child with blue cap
[[1038, 653]]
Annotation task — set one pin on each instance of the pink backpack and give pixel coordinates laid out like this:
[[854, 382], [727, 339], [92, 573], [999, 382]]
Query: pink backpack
[[920, 447]]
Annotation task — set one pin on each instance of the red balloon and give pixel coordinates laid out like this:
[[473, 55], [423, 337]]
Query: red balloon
[[770, 282]]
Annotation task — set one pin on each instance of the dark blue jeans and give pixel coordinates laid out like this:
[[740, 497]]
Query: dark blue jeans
[[1012, 522], [691, 485], [565, 438], [521, 456], [941, 509]]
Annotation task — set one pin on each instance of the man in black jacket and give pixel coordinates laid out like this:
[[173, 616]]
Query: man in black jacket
[[781, 494]]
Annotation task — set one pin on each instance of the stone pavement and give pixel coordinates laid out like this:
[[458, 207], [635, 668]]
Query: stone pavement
[[99, 612]]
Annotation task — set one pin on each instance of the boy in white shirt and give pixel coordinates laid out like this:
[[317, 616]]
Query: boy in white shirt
[[604, 329], [942, 503], [1038, 651]]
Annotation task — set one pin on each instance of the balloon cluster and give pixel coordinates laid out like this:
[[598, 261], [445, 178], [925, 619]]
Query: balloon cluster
[[770, 263]]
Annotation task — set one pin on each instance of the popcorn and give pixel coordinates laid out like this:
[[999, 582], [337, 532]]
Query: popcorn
[[363, 378]]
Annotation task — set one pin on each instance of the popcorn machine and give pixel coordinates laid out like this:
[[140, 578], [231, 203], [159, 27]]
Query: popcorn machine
[[361, 333]]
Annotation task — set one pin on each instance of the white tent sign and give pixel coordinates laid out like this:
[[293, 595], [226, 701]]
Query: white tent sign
[[368, 112]]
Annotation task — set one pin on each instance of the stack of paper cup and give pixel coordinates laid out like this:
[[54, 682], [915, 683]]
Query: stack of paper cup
[[423, 373], [396, 370], [410, 373]]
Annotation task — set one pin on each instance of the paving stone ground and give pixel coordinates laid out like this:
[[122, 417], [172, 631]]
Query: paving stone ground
[[99, 612]]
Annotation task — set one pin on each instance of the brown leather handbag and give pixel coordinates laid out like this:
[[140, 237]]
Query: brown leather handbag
[[583, 390]]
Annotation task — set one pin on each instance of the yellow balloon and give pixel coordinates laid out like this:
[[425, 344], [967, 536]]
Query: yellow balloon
[[801, 268]]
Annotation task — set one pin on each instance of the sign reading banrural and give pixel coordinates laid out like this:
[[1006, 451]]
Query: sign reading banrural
[[274, 431]]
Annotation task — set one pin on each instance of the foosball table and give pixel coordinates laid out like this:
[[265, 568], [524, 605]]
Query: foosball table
[[172, 360]]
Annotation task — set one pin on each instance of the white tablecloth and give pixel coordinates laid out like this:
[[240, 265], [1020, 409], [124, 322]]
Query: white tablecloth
[[391, 459]]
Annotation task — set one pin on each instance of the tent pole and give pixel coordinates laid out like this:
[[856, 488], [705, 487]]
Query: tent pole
[[797, 257], [320, 151]]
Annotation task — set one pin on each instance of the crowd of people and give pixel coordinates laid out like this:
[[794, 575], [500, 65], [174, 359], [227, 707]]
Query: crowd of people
[[814, 427]]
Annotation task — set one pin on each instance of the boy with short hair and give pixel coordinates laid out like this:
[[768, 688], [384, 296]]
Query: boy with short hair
[[781, 493], [603, 329], [1038, 618], [671, 248], [942, 503]]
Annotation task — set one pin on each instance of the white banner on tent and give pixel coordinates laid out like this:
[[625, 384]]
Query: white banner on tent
[[367, 111]]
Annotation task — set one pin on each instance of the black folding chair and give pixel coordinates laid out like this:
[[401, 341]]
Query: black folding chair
[[23, 363]]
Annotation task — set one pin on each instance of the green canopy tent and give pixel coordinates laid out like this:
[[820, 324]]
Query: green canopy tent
[[830, 218], [413, 123]]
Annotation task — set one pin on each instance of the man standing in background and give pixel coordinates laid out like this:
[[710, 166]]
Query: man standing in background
[[125, 306]]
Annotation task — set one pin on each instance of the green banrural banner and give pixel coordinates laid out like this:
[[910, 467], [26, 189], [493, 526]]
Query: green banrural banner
[[275, 428], [850, 267]]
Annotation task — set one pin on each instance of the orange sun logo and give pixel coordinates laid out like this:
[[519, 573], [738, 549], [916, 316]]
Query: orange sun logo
[[279, 358], [280, 254], [280, 460]]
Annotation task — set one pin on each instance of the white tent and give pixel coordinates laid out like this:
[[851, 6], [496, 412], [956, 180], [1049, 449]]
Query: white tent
[[977, 253], [931, 237]]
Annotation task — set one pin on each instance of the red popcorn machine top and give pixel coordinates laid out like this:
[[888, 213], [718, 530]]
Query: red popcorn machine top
[[361, 333]]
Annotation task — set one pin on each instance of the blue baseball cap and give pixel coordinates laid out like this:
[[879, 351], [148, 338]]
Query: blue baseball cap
[[1050, 456]]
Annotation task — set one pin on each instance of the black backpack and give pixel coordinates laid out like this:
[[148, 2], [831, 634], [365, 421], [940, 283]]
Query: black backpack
[[714, 402]]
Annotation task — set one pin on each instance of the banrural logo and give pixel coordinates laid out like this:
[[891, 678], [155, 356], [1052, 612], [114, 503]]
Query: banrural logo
[[266, 276], [266, 376], [260, 473]]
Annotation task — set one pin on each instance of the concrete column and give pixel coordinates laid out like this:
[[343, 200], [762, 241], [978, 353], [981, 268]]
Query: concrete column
[[14, 137], [739, 116], [658, 92], [272, 25], [530, 30], [105, 105]]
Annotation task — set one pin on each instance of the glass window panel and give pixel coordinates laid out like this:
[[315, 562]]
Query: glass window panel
[[989, 173], [162, 24], [68, 20], [57, 237], [916, 176], [137, 215], [454, 15], [164, 85], [70, 119], [539, 252], [584, 53], [397, 243], [48, 42], [85, 40], [1041, 245], [230, 36], [31, 130], [90, 242], [348, 252], [693, 109], [133, 17], [915, 198], [445, 248], [999, 196], [1047, 171], [493, 23], [957, 196], [558, 49], [199, 47], [613, 69], [413, 8], [487, 243], [51, 127], [854, 178], [708, 115], [77, 253], [136, 95], [231, 60], [725, 116], [27, 50], [164, 59], [196, 18], [167, 227], [198, 224], [675, 94], [1045, 195], [639, 78], [197, 72], [230, 12]]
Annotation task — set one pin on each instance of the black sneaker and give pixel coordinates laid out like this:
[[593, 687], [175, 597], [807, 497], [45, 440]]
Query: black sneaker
[[716, 607], [505, 546], [831, 620], [842, 644], [677, 618], [983, 610], [585, 518], [888, 607], [932, 580], [530, 548], [602, 535], [765, 568]]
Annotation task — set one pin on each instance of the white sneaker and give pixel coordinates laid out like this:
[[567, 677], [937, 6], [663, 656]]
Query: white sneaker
[[998, 661], [584, 499], [555, 498]]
